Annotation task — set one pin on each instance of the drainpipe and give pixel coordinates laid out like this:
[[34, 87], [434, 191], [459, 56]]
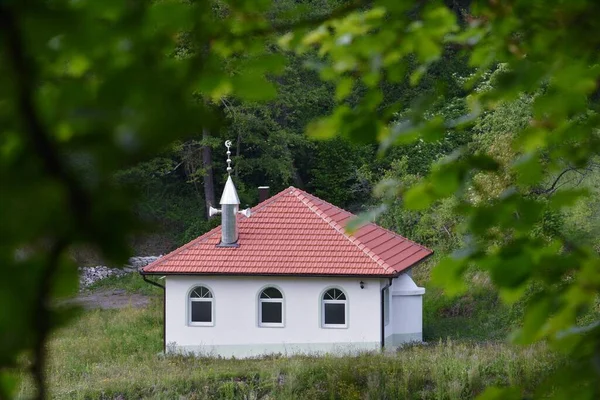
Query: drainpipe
[[382, 313], [164, 307]]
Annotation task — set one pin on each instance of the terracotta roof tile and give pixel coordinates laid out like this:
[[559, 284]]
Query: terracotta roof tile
[[295, 233]]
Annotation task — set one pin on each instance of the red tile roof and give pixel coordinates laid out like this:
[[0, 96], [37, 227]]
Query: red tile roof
[[295, 233]]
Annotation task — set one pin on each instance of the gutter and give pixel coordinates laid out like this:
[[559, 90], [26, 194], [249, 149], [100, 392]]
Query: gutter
[[382, 313], [164, 289]]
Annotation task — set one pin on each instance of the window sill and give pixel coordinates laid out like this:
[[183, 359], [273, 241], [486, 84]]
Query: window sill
[[334, 326], [201, 324], [270, 325]]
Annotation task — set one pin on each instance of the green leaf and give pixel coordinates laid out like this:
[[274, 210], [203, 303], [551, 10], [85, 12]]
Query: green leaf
[[567, 198], [511, 270], [536, 315], [483, 162], [418, 197], [78, 65], [448, 274], [328, 127], [511, 295], [433, 130], [8, 384], [344, 88], [273, 63], [417, 74], [532, 139], [500, 393], [364, 218], [361, 129], [446, 180], [66, 281], [529, 169], [253, 87]]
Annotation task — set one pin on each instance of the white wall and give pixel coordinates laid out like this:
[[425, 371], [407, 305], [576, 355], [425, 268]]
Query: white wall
[[236, 331], [406, 313]]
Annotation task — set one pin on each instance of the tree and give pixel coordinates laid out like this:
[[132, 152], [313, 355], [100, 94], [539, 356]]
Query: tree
[[209, 180]]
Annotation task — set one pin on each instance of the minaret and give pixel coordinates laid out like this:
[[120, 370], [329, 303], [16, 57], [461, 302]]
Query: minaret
[[230, 204]]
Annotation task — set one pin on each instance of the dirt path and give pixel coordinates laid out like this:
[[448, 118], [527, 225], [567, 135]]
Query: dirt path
[[111, 299]]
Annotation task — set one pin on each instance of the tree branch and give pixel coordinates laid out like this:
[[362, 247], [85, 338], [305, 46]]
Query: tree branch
[[556, 184], [24, 78]]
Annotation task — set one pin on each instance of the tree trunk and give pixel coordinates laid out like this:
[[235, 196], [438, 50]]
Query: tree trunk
[[237, 151], [296, 177], [209, 182]]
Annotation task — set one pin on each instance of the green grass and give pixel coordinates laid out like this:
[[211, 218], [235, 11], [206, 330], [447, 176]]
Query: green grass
[[113, 354], [476, 316], [116, 354], [479, 315]]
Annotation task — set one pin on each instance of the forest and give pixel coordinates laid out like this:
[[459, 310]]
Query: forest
[[272, 149], [471, 127]]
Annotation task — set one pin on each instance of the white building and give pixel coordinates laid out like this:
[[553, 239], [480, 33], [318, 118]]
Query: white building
[[288, 279]]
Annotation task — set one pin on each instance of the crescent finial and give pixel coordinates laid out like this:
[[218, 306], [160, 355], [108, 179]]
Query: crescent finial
[[228, 145]]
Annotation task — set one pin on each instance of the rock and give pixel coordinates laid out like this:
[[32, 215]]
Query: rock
[[140, 262], [90, 275]]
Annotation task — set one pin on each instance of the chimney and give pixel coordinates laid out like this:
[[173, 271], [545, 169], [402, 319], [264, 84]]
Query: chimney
[[263, 193], [230, 204]]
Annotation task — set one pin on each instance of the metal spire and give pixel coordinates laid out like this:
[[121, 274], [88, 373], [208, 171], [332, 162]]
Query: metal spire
[[229, 208], [228, 145], [230, 195]]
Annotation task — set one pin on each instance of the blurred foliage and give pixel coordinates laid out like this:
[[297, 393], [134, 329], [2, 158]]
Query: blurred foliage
[[483, 114], [541, 54]]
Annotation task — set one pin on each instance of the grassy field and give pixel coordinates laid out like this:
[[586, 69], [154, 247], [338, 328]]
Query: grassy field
[[115, 354]]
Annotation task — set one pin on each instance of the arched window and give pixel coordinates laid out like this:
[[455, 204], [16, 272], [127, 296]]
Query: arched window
[[201, 306], [270, 307], [334, 309]]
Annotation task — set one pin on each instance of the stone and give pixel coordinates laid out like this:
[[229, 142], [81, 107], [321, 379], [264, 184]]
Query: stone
[[91, 275]]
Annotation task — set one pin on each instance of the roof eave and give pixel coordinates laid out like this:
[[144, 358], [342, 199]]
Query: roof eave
[[393, 274], [265, 274], [417, 263]]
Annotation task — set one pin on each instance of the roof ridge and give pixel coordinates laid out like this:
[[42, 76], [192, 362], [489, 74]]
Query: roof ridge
[[371, 223], [353, 239], [185, 259], [271, 199]]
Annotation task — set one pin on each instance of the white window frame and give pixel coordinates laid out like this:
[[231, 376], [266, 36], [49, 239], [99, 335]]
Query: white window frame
[[269, 300], [332, 301], [210, 300]]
